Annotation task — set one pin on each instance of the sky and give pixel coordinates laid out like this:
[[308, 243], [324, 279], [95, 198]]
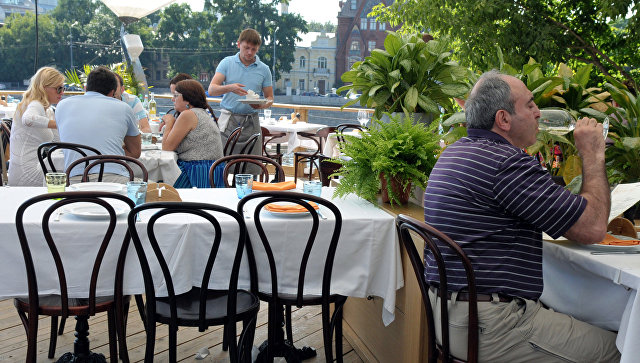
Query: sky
[[321, 11]]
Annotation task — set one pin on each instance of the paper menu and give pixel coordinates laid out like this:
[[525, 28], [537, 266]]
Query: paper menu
[[623, 197]]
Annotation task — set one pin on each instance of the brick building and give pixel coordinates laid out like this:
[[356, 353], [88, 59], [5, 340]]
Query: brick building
[[357, 34]]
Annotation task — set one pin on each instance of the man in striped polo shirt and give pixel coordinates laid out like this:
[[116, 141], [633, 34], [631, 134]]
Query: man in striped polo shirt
[[495, 200]]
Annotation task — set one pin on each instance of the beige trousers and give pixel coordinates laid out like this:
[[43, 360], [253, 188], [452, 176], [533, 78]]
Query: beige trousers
[[524, 331]]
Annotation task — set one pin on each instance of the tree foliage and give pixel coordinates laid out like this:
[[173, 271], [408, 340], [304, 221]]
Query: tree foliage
[[551, 31]]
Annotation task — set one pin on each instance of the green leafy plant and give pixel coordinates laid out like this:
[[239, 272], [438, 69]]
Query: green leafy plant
[[401, 150], [79, 78], [408, 76]]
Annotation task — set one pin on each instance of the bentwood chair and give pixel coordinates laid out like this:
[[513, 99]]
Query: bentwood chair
[[232, 140], [315, 258], [100, 160], [202, 306], [269, 137], [5, 134], [438, 244], [311, 155], [46, 149], [239, 163], [38, 242], [342, 128], [326, 167]]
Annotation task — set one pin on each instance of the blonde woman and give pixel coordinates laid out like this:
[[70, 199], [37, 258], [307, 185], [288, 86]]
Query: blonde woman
[[32, 125]]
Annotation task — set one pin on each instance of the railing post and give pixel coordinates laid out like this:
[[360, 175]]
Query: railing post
[[304, 113]]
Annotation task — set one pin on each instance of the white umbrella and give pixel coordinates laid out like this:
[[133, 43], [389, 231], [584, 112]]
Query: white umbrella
[[129, 11]]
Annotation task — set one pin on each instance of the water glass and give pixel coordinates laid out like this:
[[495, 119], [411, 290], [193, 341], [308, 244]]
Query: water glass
[[147, 138], [56, 182], [137, 191], [313, 187], [605, 127], [244, 184], [363, 117], [267, 114]]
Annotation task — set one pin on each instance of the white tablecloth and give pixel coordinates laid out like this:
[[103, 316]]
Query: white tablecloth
[[8, 111], [598, 289], [160, 164], [367, 260], [293, 141], [331, 145]]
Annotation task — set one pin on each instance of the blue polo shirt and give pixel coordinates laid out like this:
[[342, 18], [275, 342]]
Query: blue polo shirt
[[495, 200], [255, 76]]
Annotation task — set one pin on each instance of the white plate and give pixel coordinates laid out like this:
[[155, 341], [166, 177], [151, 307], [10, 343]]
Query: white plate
[[599, 247], [97, 187], [150, 147], [251, 101], [93, 211]]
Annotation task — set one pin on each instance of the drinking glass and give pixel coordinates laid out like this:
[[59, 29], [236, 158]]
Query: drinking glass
[[605, 127], [363, 117], [313, 187], [556, 121], [147, 138], [267, 114], [244, 184], [137, 191], [56, 182]]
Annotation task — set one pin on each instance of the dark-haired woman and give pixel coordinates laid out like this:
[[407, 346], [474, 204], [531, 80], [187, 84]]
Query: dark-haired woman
[[193, 135]]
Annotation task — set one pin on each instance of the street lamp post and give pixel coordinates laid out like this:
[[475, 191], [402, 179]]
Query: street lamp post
[[274, 57], [71, 45]]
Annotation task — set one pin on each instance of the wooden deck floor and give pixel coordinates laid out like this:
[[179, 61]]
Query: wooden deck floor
[[307, 330]]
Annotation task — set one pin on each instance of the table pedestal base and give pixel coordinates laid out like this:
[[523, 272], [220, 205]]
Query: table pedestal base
[[290, 353], [81, 352]]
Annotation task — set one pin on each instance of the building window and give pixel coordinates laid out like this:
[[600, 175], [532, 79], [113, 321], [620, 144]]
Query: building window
[[372, 45], [204, 77], [355, 45], [301, 84], [353, 5], [303, 62], [322, 62], [383, 26], [372, 23], [363, 23]]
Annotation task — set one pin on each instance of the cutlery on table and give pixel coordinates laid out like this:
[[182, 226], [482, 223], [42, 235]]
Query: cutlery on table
[[615, 252]]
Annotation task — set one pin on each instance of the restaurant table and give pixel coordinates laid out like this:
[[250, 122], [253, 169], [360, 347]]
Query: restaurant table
[[331, 145], [367, 259], [160, 164], [598, 289], [8, 111], [292, 139]]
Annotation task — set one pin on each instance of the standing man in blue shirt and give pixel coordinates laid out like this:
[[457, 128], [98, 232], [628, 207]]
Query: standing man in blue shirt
[[236, 75]]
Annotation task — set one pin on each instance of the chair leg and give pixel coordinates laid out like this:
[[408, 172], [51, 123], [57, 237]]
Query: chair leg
[[225, 338], [295, 169], [338, 328], [245, 343], [229, 333], [63, 320], [121, 329], [173, 344], [141, 311], [113, 341], [288, 323], [151, 342], [327, 333], [53, 338], [310, 168]]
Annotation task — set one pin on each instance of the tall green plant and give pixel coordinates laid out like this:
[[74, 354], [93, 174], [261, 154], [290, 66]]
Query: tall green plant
[[408, 76], [79, 78]]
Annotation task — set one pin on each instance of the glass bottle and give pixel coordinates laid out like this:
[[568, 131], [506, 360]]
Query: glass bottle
[[145, 104], [152, 107]]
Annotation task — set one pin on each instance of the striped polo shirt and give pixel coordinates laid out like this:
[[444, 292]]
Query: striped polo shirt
[[495, 200]]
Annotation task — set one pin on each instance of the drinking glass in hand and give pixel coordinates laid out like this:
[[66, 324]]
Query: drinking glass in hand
[[137, 191], [556, 121], [244, 184], [56, 182]]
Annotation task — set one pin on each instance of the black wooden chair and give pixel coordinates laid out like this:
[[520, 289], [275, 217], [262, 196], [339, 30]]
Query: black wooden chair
[[100, 160], [201, 306], [435, 242], [269, 137], [232, 140], [239, 163], [310, 251], [5, 135], [61, 305], [342, 128], [312, 155], [326, 167], [46, 149]]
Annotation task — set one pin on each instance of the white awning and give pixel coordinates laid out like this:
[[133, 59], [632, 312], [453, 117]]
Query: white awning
[[129, 11]]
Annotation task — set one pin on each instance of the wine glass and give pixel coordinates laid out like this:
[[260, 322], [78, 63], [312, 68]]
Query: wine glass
[[267, 114], [605, 127], [556, 121], [363, 117]]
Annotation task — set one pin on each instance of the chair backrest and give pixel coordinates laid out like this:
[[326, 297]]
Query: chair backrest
[[208, 212], [251, 142], [326, 167], [46, 149], [231, 141], [95, 160], [239, 163], [435, 240], [267, 137], [318, 137], [310, 250], [97, 199], [5, 134], [342, 128]]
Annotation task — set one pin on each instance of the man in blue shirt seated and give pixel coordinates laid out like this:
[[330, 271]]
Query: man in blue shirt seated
[[495, 200], [99, 120]]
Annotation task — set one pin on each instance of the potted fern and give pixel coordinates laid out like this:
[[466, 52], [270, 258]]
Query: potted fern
[[390, 157]]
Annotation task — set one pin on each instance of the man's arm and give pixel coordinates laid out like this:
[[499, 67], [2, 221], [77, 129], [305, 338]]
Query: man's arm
[[143, 123], [132, 146], [217, 89], [592, 225]]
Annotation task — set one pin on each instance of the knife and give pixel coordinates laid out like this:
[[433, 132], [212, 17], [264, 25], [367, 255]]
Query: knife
[[615, 252]]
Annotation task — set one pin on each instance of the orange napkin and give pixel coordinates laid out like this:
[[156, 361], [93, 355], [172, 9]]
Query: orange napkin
[[288, 208], [613, 241], [274, 186]]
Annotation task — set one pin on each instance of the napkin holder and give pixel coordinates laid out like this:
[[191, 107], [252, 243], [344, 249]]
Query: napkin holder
[[161, 192]]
